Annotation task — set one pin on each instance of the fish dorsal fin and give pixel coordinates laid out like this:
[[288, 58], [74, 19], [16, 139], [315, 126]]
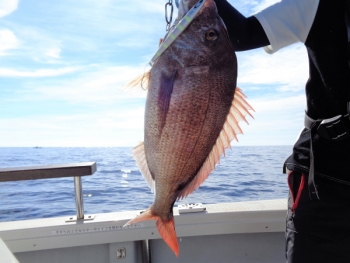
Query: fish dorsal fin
[[239, 109], [140, 158]]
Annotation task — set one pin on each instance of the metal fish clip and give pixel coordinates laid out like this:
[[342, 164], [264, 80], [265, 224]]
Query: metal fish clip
[[178, 29]]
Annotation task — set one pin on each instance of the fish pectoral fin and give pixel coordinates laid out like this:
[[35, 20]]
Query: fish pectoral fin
[[240, 106], [164, 95], [140, 158], [239, 109], [140, 81]]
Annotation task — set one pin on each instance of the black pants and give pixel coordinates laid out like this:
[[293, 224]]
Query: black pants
[[318, 230]]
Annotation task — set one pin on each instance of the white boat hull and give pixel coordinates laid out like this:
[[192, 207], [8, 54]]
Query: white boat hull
[[234, 232]]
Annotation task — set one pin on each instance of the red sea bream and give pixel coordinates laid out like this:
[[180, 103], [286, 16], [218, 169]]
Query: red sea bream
[[192, 112]]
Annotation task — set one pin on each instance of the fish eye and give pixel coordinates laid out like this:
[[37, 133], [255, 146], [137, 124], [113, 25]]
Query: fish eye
[[211, 34]]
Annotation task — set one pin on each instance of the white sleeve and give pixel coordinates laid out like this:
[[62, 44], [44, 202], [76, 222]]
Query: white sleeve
[[287, 22]]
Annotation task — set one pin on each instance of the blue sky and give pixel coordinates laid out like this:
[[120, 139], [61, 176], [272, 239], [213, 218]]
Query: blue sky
[[63, 63]]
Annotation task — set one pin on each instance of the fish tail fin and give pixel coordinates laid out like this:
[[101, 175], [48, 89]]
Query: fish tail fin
[[166, 229]]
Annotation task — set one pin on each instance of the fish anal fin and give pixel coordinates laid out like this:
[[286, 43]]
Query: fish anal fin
[[229, 132], [140, 158], [146, 215]]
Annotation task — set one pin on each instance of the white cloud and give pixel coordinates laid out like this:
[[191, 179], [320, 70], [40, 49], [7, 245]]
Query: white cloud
[[6, 72], [250, 7], [244, 7], [274, 113], [88, 28], [276, 105], [38, 44], [134, 42], [110, 16], [8, 41], [7, 7], [97, 84], [53, 52], [264, 4], [287, 68], [122, 118], [277, 121], [102, 129], [155, 6]]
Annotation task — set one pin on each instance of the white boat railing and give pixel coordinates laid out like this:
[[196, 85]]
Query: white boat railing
[[76, 170]]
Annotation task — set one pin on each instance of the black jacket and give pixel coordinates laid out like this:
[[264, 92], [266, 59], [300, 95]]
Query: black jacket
[[327, 89]]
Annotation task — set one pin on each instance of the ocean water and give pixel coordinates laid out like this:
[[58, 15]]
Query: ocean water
[[246, 173]]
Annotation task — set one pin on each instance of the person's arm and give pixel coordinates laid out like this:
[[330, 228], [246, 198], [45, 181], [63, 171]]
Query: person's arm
[[245, 33]]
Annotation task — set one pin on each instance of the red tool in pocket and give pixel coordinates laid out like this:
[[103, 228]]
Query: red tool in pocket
[[295, 194]]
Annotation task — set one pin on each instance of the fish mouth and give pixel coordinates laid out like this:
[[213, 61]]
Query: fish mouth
[[198, 69]]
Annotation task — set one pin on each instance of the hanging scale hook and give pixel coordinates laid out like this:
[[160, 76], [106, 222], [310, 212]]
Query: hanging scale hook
[[169, 18]]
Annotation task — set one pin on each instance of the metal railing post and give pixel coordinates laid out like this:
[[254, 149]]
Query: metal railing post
[[75, 170], [79, 202], [146, 251]]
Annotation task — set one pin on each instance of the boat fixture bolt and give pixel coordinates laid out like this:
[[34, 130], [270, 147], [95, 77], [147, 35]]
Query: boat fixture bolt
[[121, 253]]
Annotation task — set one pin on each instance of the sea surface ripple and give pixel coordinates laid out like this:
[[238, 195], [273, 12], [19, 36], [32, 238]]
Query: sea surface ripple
[[246, 173]]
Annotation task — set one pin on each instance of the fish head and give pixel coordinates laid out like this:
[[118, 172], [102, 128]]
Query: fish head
[[204, 43]]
